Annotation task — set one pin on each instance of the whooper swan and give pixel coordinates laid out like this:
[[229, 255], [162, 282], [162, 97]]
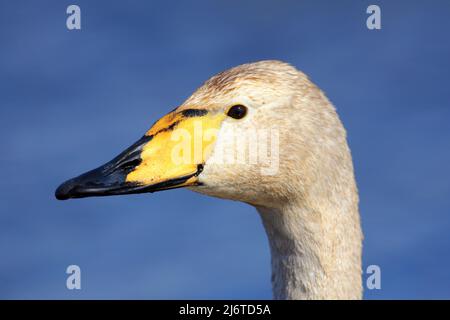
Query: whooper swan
[[307, 196]]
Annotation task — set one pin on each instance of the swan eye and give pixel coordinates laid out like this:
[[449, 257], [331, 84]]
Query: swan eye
[[237, 112]]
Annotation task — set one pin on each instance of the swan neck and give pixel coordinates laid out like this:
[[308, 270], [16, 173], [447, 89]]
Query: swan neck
[[309, 261]]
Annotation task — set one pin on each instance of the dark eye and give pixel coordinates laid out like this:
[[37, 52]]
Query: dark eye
[[237, 112]]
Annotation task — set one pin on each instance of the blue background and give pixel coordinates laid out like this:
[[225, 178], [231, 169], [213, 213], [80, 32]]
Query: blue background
[[71, 100]]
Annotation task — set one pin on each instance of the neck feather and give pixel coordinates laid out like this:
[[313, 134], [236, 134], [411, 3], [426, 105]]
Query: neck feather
[[316, 253]]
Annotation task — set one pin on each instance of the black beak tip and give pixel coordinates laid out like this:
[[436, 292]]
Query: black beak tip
[[63, 192]]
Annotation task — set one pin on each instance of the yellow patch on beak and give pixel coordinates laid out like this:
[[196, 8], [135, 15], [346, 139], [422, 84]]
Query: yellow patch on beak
[[181, 143]]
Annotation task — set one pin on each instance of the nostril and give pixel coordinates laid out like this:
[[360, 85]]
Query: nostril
[[128, 165]]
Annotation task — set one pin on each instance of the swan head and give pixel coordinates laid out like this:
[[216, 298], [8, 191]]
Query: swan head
[[256, 133]]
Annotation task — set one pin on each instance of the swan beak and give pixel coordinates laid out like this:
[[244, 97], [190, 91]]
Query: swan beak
[[170, 155]]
